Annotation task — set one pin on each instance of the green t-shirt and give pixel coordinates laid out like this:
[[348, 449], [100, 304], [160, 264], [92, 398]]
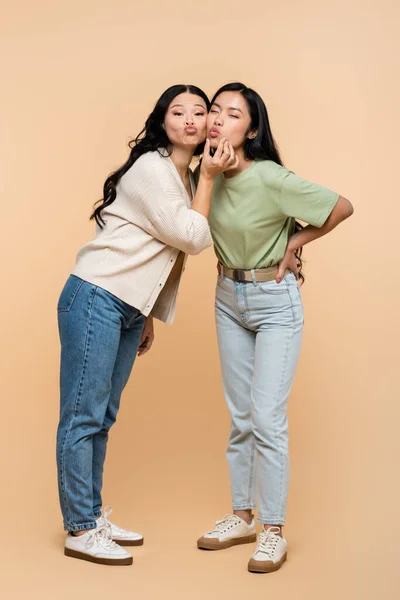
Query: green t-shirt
[[253, 214]]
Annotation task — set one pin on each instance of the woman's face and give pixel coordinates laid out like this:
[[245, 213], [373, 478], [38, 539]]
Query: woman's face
[[229, 117], [186, 121]]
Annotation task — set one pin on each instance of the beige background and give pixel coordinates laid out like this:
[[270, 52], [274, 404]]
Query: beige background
[[79, 78]]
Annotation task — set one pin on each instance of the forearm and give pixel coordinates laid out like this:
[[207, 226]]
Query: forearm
[[343, 210], [202, 199]]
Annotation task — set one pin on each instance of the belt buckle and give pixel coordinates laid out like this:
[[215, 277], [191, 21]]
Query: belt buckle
[[239, 275]]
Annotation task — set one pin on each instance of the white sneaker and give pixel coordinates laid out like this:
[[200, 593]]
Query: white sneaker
[[270, 553], [119, 535], [229, 531], [97, 546]]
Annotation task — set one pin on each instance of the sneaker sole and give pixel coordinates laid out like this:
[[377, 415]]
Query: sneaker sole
[[129, 542], [258, 566], [99, 561], [210, 544]]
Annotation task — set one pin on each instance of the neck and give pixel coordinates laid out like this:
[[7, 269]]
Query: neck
[[182, 157], [244, 163]]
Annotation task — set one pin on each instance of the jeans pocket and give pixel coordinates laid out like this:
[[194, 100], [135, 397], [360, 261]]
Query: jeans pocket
[[69, 293], [271, 287]]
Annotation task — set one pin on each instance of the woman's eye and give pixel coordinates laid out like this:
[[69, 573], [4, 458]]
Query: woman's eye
[[213, 111], [234, 116], [199, 114], [178, 114]]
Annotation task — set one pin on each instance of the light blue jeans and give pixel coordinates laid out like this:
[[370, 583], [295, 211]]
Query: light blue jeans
[[259, 330], [100, 337]]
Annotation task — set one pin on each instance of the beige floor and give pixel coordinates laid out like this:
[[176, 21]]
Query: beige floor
[[324, 562], [335, 551]]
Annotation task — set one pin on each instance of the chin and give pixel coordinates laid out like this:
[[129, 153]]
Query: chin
[[214, 142], [194, 140], [187, 144]]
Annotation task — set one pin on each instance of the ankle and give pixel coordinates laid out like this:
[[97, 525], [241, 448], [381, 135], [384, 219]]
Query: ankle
[[78, 533], [246, 515]]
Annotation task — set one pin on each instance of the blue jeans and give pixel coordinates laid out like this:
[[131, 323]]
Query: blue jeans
[[259, 330], [100, 336]]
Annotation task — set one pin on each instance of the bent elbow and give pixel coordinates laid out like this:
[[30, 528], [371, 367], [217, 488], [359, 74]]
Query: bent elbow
[[194, 248], [347, 209], [351, 209]]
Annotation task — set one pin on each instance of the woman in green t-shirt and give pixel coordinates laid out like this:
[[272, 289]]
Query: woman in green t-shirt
[[259, 313]]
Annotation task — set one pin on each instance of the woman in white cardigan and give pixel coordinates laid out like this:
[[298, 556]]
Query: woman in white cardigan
[[149, 219]]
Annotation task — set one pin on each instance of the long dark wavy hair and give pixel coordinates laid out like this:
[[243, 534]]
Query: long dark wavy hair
[[263, 146], [152, 137]]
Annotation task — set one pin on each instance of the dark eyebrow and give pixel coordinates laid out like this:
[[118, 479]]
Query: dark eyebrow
[[182, 105], [229, 107]]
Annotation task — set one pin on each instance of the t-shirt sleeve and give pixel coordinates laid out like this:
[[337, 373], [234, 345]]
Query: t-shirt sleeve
[[307, 201]]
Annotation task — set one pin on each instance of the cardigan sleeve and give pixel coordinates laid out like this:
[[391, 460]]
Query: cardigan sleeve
[[162, 208]]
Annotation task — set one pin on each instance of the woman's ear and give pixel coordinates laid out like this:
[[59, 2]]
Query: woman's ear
[[252, 134]]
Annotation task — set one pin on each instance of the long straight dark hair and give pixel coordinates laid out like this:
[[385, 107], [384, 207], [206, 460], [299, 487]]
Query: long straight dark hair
[[263, 145], [152, 137]]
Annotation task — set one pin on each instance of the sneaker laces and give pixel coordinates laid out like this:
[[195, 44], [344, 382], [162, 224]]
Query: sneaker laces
[[223, 524], [268, 541], [104, 520], [102, 536]]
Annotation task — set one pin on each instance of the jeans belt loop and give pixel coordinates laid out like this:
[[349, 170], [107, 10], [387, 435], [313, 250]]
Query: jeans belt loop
[[254, 278]]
